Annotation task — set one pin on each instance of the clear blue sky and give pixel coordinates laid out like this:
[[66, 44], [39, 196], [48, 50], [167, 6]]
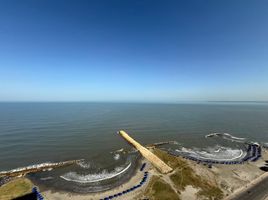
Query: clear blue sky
[[132, 50]]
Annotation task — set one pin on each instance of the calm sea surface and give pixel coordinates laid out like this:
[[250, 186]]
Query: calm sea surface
[[39, 132]]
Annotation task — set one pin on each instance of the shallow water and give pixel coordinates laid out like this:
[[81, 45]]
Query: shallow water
[[39, 132], [217, 153]]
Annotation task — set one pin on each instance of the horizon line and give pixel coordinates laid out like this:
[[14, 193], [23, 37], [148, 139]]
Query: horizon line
[[147, 102]]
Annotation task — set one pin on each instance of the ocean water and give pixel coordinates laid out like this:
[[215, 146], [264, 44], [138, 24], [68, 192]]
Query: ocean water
[[33, 133]]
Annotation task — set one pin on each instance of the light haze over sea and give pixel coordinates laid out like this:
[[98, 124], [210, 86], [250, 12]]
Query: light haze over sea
[[39, 132]]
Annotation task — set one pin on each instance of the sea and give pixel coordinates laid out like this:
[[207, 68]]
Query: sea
[[34, 133]]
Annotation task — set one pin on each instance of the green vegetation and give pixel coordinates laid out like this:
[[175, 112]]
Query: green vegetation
[[184, 175], [172, 161], [210, 191], [158, 189], [15, 188]]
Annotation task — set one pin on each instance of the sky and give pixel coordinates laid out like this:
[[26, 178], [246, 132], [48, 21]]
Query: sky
[[134, 51]]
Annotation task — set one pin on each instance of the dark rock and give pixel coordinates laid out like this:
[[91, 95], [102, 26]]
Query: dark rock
[[4, 180], [264, 168]]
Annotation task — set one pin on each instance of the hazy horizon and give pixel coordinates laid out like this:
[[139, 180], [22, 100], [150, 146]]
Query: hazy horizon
[[143, 102]]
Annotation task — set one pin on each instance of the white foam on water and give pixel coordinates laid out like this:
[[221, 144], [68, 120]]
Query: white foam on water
[[83, 164], [227, 136], [116, 156], [119, 150], [218, 153], [35, 166], [91, 178]]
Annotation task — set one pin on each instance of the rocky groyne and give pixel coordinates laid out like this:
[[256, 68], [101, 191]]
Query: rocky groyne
[[22, 171]]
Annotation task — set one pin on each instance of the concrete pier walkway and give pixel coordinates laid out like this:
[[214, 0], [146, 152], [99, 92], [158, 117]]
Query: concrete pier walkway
[[156, 162]]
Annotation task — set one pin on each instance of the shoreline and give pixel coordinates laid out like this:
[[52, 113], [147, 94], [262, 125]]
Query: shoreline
[[134, 180], [234, 181]]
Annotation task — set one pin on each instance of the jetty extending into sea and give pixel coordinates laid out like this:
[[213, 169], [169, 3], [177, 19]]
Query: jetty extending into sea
[[36, 168], [152, 158]]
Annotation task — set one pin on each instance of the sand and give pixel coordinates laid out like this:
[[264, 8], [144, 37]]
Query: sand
[[135, 180], [189, 193], [232, 179]]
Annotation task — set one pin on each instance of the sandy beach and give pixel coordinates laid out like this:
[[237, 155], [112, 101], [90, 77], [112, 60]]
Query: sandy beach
[[233, 180], [135, 180], [253, 183]]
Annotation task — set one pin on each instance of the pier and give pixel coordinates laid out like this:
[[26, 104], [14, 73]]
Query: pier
[[152, 158]]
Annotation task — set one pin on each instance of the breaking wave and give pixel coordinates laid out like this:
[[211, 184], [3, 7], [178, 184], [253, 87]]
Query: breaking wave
[[83, 164], [227, 136], [91, 178], [214, 153], [48, 166], [117, 156]]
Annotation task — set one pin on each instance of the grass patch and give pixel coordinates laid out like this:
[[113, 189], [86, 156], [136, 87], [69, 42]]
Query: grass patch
[[172, 161], [184, 175], [158, 189], [15, 188], [212, 192]]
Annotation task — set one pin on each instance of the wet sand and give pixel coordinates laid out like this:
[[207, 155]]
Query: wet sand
[[234, 180], [135, 180]]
